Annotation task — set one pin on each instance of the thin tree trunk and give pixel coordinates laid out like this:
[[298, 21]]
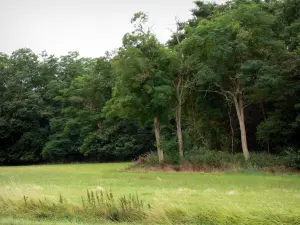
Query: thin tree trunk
[[232, 130], [160, 152], [265, 118], [239, 106], [179, 93], [178, 115], [179, 131]]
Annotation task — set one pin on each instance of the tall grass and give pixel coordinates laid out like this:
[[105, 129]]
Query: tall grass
[[95, 205], [101, 207]]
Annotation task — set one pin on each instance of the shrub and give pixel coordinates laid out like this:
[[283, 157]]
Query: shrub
[[213, 159], [203, 159], [293, 157], [264, 159], [170, 148], [149, 159], [226, 160]]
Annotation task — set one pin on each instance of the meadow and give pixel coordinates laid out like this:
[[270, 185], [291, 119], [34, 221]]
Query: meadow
[[173, 198]]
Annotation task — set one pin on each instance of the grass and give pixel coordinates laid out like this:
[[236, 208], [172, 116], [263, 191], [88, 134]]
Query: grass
[[14, 221], [190, 198]]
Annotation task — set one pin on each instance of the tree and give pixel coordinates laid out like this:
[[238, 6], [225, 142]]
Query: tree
[[117, 140], [231, 66], [81, 104], [23, 129], [143, 88], [281, 127], [232, 52], [181, 71]]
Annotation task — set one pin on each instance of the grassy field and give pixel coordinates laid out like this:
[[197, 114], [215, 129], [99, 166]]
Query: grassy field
[[190, 198]]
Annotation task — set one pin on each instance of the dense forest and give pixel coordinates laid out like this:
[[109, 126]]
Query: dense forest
[[227, 80]]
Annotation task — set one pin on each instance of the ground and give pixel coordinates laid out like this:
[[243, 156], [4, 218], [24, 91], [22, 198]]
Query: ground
[[267, 198]]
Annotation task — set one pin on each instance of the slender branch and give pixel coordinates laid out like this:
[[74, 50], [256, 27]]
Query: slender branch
[[228, 92], [206, 92], [213, 91], [247, 105]]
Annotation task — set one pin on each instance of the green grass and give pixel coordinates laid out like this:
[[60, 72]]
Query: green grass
[[193, 198], [14, 221]]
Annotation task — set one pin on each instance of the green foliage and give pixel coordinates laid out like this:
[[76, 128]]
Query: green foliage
[[23, 128], [210, 160], [80, 98], [82, 133], [171, 150], [118, 139], [293, 157], [143, 87], [149, 158], [224, 160], [71, 108]]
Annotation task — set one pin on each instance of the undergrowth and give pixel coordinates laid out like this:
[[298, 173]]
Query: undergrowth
[[208, 160]]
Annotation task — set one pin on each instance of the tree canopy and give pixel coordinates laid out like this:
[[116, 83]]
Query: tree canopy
[[233, 68]]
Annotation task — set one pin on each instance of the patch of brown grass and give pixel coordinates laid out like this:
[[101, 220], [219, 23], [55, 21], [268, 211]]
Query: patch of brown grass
[[200, 168]]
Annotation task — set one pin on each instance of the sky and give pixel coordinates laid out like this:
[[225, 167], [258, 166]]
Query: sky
[[91, 27]]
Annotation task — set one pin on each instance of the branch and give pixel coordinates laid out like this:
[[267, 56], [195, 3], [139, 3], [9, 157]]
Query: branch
[[247, 105], [228, 92], [206, 92], [218, 92]]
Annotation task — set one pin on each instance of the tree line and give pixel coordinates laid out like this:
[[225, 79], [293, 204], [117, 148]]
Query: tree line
[[227, 80]]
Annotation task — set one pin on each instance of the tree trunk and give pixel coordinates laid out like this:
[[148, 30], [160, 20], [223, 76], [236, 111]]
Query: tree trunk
[[232, 130], [239, 106], [179, 93], [179, 130], [160, 152]]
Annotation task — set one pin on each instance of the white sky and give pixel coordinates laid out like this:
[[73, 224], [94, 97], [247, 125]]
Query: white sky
[[88, 26]]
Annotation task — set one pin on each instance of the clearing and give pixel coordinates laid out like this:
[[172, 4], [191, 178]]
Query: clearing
[[204, 198]]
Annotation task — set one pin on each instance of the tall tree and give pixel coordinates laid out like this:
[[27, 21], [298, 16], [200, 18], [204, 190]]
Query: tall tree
[[143, 87], [22, 127], [281, 127], [232, 52]]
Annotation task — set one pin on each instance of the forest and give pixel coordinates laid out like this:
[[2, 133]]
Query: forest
[[228, 80]]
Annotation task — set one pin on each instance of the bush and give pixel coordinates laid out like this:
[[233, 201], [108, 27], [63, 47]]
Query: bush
[[213, 159], [293, 157], [203, 159], [170, 148], [226, 160], [149, 159], [264, 159]]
